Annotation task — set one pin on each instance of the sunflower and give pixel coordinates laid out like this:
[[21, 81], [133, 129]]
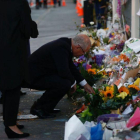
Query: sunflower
[[133, 86], [111, 88], [123, 89], [108, 93], [93, 71]]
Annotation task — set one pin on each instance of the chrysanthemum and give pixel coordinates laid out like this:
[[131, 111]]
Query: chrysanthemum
[[123, 89], [108, 94]]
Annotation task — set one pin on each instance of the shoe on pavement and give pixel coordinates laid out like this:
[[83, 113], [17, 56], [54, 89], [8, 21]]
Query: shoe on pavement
[[41, 114]]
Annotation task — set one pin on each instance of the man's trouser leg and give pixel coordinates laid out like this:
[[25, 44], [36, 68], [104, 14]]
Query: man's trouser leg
[[56, 87]]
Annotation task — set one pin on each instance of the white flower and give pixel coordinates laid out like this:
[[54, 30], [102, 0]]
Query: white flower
[[116, 17], [101, 33], [86, 33], [91, 23]]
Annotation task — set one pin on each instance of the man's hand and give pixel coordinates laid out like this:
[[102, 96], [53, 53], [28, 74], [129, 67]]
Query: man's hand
[[73, 89], [88, 88]]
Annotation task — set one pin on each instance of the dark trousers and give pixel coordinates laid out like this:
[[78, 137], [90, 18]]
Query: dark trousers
[[45, 3], [55, 86], [88, 13], [10, 106], [54, 2], [37, 4]]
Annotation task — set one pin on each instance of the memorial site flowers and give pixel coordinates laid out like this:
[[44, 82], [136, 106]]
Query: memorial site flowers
[[106, 99]]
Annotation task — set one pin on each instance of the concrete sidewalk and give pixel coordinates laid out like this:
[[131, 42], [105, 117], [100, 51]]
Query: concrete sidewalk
[[42, 129], [52, 23]]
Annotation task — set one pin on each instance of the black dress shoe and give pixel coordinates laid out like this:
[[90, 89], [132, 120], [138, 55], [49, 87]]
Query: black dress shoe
[[55, 111], [11, 134], [20, 126], [41, 114]]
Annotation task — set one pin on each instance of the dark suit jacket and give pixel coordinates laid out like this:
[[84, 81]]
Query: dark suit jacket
[[16, 27], [54, 58]]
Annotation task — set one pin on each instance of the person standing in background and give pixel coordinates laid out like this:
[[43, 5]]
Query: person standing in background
[[16, 27], [45, 3]]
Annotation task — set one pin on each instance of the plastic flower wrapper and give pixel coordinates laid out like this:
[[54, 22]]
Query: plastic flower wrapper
[[74, 128], [135, 119], [88, 125], [105, 118], [116, 18], [114, 53], [101, 34], [81, 137], [133, 135], [97, 132]]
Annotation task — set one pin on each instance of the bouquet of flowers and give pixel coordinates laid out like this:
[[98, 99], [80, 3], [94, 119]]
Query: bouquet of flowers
[[106, 99], [92, 75]]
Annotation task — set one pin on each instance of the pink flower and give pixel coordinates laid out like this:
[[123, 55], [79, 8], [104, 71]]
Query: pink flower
[[88, 66], [127, 28]]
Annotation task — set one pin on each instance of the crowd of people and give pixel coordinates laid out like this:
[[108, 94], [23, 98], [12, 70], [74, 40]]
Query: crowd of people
[[49, 68]]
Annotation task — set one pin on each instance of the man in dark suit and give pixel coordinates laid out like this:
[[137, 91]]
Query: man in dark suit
[[52, 69], [16, 27]]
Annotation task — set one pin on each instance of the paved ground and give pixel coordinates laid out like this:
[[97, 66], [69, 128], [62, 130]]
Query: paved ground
[[52, 23]]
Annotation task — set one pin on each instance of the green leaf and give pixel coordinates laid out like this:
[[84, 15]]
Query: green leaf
[[115, 89]]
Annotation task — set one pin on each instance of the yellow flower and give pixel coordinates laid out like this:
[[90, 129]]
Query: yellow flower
[[92, 71], [110, 88], [133, 86], [104, 99], [108, 93], [137, 82], [106, 29], [123, 89], [122, 95]]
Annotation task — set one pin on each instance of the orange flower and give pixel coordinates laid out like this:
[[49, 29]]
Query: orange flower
[[123, 89], [92, 71], [133, 86], [108, 93]]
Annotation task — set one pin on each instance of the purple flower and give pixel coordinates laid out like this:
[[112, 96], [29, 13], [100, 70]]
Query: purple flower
[[110, 35], [82, 57], [84, 65], [76, 64]]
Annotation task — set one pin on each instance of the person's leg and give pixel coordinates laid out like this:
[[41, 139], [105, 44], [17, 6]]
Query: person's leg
[[10, 111], [56, 87], [10, 106], [37, 4], [59, 2], [54, 3], [45, 3]]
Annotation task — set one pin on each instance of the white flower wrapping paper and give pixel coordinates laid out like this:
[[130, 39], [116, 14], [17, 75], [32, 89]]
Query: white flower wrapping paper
[[74, 128]]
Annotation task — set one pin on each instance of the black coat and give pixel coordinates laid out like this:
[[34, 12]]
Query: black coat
[[16, 27], [54, 58]]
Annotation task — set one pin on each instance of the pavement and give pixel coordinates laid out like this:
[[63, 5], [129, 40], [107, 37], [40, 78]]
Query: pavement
[[52, 24]]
